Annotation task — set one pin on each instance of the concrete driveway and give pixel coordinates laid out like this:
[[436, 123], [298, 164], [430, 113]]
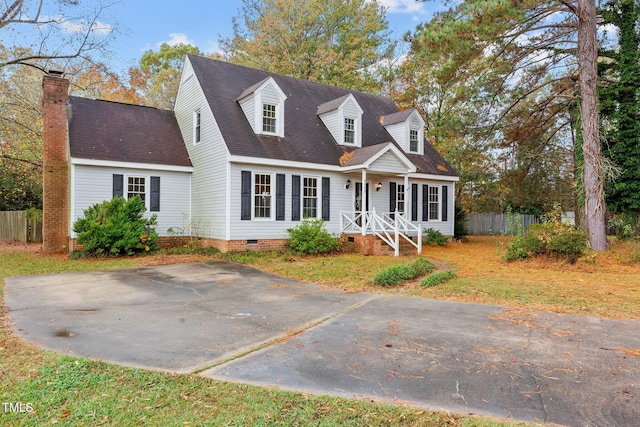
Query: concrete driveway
[[232, 322]]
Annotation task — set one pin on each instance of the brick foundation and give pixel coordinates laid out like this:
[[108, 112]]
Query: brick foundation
[[244, 245], [373, 245], [55, 162]]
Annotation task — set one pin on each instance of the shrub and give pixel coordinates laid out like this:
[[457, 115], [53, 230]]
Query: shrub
[[460, 231], [436, 278], [433, 237], [423, 266], [117, 227], [311, 237], [549, 238], [403, 272], [623, 226], [394, 275]]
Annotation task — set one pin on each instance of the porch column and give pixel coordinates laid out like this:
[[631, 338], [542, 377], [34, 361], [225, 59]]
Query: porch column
[[363, 194]]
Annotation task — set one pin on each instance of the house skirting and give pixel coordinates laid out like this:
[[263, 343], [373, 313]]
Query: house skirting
[[244, 245]]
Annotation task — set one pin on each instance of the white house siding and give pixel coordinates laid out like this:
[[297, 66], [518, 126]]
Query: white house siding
[[388, 162], [248, 105], [94, 184], [332, 122], [341, 200], [209, 181], [398, 132], [270, 95], [380, 200]]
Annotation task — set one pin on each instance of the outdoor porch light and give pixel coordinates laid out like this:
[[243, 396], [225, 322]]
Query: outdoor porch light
[[378, 186], [346, 186]]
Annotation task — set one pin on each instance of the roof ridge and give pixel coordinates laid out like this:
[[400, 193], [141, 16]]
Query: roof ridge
[[286, 76], [119, 102]]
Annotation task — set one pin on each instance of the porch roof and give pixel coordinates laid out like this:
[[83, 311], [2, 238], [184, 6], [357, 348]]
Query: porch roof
[[384, 158]]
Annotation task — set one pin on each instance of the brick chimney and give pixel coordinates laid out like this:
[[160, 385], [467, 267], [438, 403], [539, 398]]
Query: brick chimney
[[55, 162]]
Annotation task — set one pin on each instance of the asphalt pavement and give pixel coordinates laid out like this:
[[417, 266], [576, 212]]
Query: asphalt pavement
[[232, 322]]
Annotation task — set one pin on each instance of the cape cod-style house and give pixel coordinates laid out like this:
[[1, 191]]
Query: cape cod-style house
[[244, 156]]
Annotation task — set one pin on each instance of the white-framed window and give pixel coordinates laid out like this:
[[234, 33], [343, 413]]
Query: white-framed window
[[269, 118], [309, 197], [414, 141], [262, 195], [137, 186], [400, 204], [434, 203], [349, 130], [197, 127]]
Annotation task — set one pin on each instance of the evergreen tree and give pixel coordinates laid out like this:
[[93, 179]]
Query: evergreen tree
[[621, 106]]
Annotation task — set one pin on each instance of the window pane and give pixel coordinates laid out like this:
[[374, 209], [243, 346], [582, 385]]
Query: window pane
[[434, 205], [268, 118], [413, 140], [310, 197], [197, 130], [136, 187], [400, 198], [349, 131], [262, 196]]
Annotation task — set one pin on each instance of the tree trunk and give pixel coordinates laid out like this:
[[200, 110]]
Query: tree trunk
[[594, 209]]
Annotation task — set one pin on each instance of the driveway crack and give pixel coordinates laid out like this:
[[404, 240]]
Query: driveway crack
[[291, 333]]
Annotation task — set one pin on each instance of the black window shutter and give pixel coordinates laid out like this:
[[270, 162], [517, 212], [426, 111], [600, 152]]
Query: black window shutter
[[425, 203], [118, 181], [326, 199], [295, 198], [392, 197], [280, 197], [245, 197], [154, 202], [414, 202], [445, 202]]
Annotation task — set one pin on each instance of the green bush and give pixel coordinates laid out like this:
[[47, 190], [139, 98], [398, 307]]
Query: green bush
[[433, 237], [436, 278], [624, 226], [117, 227], [394, 275], [552, 238], [460, 231], [403, 272], [311, 237], [423, 266]]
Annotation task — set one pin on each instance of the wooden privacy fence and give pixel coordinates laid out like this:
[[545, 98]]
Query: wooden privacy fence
[[490, 224], [16, 226]]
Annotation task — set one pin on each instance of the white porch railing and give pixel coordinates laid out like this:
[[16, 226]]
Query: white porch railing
[[388, 227]]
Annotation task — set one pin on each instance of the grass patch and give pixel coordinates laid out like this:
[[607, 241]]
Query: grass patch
[[402, 272], [437, 278]]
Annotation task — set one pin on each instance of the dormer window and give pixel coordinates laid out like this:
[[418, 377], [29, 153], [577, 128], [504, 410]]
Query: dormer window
[[263, 106], [413, 140], [343, 118], [269, 118], [407, 129], [349, 131]]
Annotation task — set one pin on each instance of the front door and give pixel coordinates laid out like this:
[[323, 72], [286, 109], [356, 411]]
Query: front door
[[357, 205]]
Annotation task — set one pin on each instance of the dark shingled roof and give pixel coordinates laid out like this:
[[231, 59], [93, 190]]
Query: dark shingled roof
[[113, 131], [306, 137]]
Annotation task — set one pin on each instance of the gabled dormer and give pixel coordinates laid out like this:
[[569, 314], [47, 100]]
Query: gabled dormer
[[263, 106], [343, 118], [407, 129]]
